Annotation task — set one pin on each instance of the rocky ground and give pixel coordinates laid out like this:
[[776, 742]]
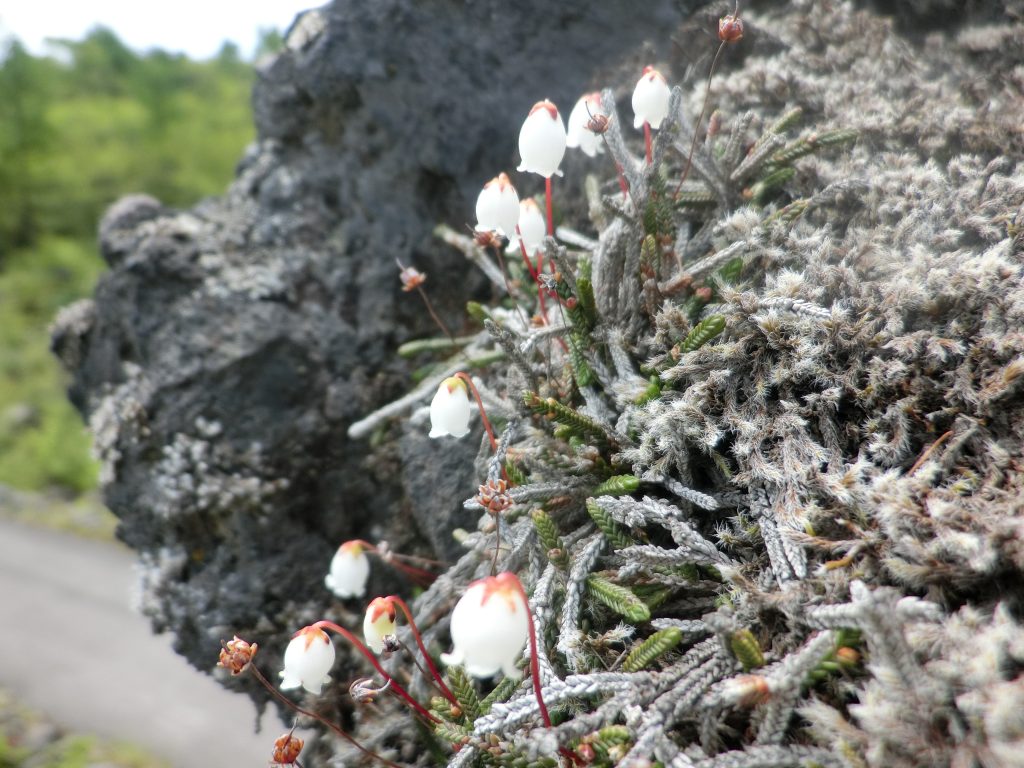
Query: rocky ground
[[30, 740], [86, 661]]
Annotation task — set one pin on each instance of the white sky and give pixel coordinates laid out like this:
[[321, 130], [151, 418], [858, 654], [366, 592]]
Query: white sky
[[195, 27]]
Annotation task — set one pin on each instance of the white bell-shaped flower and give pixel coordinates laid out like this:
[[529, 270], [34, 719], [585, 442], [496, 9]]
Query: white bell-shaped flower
[[449, 410], [497, 207], [578, 134], [489, 627], [307, 660], [378, 623], [650, 99], [350, 569], [532, 228], [542, 140]]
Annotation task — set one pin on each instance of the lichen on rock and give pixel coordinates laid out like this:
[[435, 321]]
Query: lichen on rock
[[765, 491]]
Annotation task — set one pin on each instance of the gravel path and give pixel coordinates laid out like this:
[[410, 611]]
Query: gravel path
[[72, 647]]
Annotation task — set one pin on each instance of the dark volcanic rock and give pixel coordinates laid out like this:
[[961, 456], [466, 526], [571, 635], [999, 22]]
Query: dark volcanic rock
[[229, 347]]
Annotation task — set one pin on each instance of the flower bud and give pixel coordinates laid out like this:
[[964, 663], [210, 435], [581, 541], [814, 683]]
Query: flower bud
[[847, 657], [532, 228], [497, 207], [378, 623], [650, 99], [449, 410], [579, 133], [489, 627], [350, 569], [236, 654], [307, 660], [542, 140], [746, 690]]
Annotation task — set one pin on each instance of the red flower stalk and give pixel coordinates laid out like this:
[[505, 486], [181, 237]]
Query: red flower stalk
[[396, 600], [319, 718], [404, 694]]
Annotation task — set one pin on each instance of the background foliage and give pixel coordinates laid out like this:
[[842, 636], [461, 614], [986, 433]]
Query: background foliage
[[78, 129]]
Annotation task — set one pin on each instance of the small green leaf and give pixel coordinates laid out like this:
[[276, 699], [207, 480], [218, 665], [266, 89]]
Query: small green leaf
[[618, 598], [618, 485], [655, 646]]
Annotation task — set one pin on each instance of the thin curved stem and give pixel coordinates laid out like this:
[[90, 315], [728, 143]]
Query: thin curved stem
[[395, 559], [535, 274], [648, 149], [700, 119], [547, 203], [928, 452], [435, 316], [567, 753], [325, 624], [483, 413], [508, 286], [423, 649], [319, 718], [419, 576], [534, 664]]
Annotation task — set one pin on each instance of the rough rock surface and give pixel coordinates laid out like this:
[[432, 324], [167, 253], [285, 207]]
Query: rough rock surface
[[229, 347]]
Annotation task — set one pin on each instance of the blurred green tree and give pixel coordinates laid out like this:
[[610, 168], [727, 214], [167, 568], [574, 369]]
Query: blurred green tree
[[78, 129], [25, 135]]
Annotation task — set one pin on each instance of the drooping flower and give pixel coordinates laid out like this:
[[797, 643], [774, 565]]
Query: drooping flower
[[489, 627], [378, 623], [542, 140], [350, 569], [449, 410], [650, 99], [531, 225], [497, 207], [307, 660], [578, 132]]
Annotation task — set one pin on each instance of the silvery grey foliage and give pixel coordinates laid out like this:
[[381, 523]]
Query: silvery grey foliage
[[817, 556]]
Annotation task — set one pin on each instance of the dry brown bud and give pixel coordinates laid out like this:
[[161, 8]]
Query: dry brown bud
[[597, 124], [486, 238], [236, 654], [362, 690], [493, 496], [286, 749], [411, 278], [730, 29], [847, 657]]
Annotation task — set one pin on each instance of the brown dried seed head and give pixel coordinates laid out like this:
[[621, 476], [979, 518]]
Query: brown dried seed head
[[363, 691], [493, 496], [286, 749], [597, 124], [236, 654], [487, 238], [411, 278], [730, 29]]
